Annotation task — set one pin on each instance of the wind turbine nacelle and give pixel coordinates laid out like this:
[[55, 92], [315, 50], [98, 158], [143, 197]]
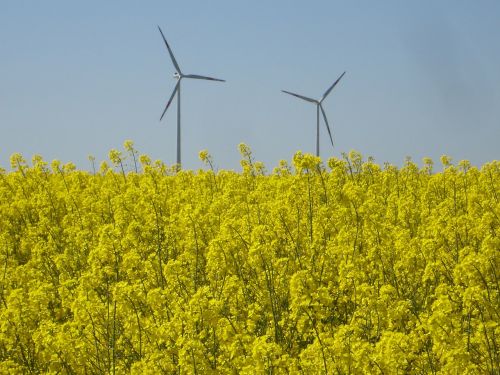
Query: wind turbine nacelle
[[177, 75]]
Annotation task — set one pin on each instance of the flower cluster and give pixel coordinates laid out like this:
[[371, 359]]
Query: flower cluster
[[346, 268]]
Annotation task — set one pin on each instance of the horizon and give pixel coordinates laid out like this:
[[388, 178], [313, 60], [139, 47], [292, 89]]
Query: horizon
[[130, 164]]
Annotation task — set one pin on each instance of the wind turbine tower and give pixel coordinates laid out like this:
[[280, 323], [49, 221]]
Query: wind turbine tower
[[178, 75], [319, 108]]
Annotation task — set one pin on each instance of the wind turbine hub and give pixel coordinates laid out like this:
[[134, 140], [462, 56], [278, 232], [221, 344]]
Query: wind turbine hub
[[177, 75]]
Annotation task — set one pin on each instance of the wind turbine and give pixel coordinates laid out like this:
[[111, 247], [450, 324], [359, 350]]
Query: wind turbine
[[178, 75], [318, 108]]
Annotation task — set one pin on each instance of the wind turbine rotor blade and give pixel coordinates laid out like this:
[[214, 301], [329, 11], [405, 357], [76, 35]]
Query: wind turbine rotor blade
[[326, 123], [170, 52], [300, 96], [331, 87], [196, 76], [171, 98]]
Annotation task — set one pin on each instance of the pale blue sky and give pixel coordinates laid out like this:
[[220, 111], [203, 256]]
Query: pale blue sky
[[79, 78]]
